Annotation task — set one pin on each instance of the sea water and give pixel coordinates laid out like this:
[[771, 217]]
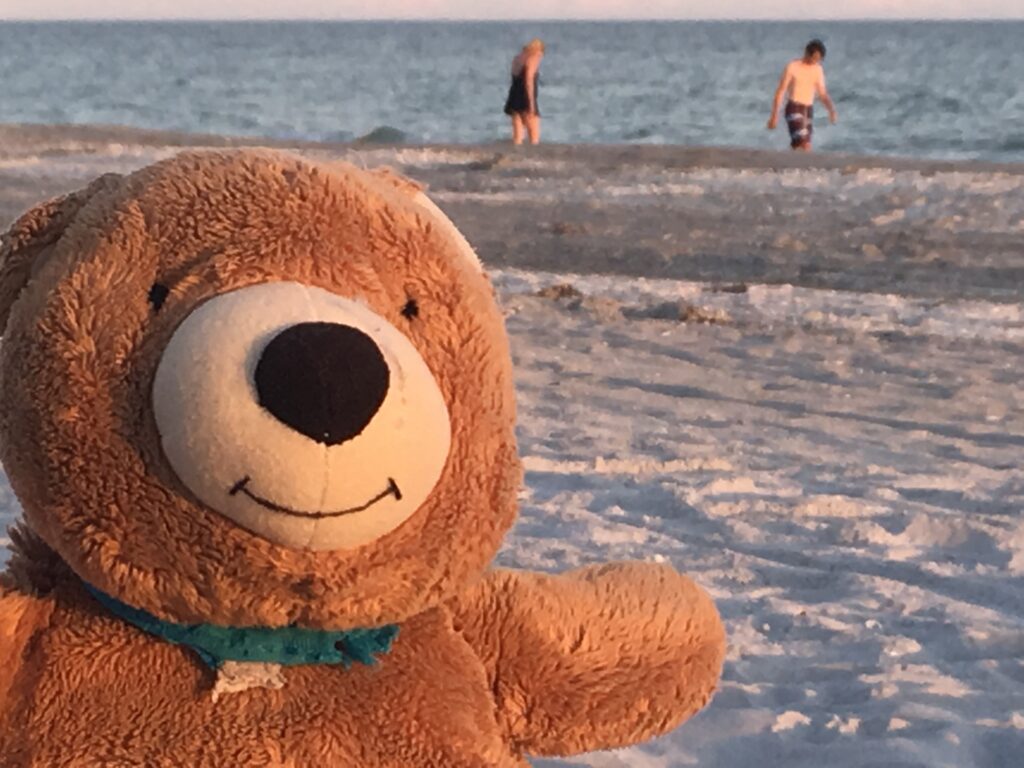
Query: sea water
[[927, 89]]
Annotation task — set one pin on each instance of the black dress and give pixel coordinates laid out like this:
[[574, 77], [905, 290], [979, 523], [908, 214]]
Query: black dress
[[518, 101]]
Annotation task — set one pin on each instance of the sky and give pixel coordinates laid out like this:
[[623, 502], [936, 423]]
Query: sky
[[517, 9]]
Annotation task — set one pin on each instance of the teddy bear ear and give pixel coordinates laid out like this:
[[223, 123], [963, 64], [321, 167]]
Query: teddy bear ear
[[416, 192], [25, 246]]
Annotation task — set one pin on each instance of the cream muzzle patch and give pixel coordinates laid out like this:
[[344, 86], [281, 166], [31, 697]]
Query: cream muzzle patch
[[303, 416]]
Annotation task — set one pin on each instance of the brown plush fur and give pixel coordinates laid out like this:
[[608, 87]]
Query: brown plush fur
[[484, 669]]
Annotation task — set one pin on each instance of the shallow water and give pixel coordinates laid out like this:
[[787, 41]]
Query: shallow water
[[944, 90]]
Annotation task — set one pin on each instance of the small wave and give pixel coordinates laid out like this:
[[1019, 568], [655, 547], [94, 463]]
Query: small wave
[[1011, 144], [951, 105], [385, 134], [637, 134], [859, 99]]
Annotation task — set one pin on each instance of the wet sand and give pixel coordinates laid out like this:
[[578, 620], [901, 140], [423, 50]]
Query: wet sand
[[919, 228]]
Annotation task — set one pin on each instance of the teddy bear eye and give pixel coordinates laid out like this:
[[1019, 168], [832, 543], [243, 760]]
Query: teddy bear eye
[[158, 295], [411, 309]]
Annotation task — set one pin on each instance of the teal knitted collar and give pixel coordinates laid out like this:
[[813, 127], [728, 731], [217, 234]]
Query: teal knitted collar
[[276, 645]]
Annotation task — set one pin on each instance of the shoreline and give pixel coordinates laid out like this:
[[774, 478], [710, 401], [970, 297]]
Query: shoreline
[[925, 229], [21, 139]]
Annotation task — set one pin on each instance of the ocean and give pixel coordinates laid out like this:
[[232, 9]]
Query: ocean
[[946, 90]]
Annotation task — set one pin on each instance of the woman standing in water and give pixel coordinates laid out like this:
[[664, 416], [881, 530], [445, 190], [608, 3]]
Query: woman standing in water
[[521, 104]]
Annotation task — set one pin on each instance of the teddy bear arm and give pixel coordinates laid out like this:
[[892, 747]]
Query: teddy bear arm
[[596, 658], [22, 616]]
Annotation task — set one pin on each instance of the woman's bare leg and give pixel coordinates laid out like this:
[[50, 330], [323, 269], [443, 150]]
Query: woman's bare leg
[[517, 128], [533, 128]]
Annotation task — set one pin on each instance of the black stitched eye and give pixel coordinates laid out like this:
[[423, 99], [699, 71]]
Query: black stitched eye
[[158, 295], [411, 309]]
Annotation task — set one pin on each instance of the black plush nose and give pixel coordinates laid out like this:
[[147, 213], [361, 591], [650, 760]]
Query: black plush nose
[[324, 380]]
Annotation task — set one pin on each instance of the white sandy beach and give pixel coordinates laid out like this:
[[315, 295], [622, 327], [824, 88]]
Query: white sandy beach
[[796, 379]]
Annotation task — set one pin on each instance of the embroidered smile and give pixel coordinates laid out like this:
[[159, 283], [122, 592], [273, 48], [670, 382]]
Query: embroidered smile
[[242, 486]]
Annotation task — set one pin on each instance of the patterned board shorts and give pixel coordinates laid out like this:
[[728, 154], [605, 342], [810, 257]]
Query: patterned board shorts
[[800, 119]]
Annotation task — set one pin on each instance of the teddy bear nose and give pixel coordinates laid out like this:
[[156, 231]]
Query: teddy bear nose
[[325, 380]]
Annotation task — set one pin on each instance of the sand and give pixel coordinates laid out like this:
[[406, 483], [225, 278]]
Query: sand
[[796, 378], [914, 227]]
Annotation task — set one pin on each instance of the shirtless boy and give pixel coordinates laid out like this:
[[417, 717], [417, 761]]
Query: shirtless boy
[[802, 81]]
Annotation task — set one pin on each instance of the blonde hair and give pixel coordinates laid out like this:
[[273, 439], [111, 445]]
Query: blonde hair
[[534, 45]]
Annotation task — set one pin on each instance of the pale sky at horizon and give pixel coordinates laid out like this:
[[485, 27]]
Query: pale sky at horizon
[[517, 9]]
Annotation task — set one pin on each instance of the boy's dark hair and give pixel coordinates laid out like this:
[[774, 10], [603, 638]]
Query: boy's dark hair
[[815, 46]]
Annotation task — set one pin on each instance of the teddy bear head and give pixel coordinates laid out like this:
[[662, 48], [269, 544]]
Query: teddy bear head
[[248, 389]]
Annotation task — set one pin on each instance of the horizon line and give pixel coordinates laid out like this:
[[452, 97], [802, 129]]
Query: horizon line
[[510, 20]]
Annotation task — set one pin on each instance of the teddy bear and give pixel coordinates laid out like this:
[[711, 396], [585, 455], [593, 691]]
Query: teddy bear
[[259, 413]]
